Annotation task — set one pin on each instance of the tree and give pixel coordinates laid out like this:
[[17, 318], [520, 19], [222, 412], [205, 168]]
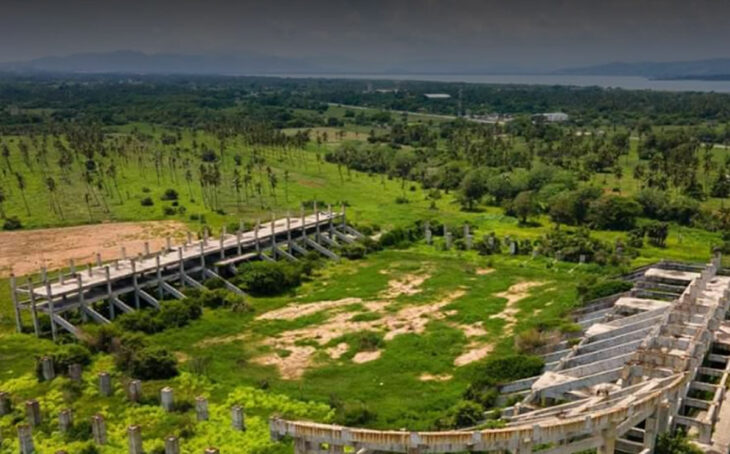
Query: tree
[[657, 233], [525, 205], [21, 185], [2, 201], [613, 213], [473, 188], [237, 187]]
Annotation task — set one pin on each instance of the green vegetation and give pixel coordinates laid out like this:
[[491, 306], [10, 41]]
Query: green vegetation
[[398, 334]]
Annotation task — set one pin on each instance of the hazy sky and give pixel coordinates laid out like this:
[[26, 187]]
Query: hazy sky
[[497, 34]]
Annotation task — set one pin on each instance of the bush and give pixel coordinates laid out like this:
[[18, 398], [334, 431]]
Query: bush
[[65, 356], [169, 211], [271, 278], [170, 194], [153, 363], [495, 371], [353, 251], [12, 223], [146, 202], [594, 290], [465, 414], [143, 320], [569, 246], [675, 443]]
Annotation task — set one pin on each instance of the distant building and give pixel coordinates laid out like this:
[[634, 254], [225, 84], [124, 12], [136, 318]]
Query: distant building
[[437, 95], [554, 117]]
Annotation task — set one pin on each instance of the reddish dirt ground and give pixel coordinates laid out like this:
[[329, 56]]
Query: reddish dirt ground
[[26, 251]]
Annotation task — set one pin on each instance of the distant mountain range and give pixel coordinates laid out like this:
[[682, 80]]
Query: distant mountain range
[[134, 62], [717, 68]]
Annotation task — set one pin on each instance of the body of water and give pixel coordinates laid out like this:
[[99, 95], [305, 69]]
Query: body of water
[[626, 82]]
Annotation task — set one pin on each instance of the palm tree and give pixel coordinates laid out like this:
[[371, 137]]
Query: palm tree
[[21, 186], [51, 186], [237, 187]]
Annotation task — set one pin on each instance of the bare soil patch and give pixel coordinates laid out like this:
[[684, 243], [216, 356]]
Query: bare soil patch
[[290, 367], [476, 352], [513, 295], [364, 357], [26, 251], [300, 310], [483, 271], [410, 284], [440, 377], [410, 319]]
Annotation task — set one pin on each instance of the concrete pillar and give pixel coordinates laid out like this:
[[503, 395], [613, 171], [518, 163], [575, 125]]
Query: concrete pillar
[[74, 372], [172, 445], [237, 418], [608, 440], [201, 408], [427, 233], [135, 440], [25, 439], [105, 384], [135, 390], [98, 259], [168, 244], [33, 310], [98, 429], [146, 248], [525, 446], [6, 405], [65, 420], [33, 412], [167, 399], [447, 239], [47, 369]]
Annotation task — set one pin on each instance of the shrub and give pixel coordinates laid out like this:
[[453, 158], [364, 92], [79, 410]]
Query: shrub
[[65, 356], [153, 363], [465, 414], [400, 200], [170, 194], [595, 290], [483, 389], [169, 211], [12, 223], [143, 320], [146, 202], [657, 233], [675, 443], [353, 251], [271, 278]]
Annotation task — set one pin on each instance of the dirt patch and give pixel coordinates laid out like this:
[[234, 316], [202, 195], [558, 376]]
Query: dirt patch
[[410, 319], [406, 285], [440, 377], [513, 295], [338, 350], [290, 367], [473, 330], [483, 271], [295, 311], [182, 357], [364, 357], [476, 352], [26, 251]]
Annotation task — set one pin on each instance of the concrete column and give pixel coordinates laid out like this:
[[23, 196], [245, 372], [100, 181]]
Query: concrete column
[[135, 390], [273, 236], [65, 420], [172, 445], [662, 417], [74, 372], [168, 244], [33, 412], [146, 248], [167, 399], [189, 239], [222, 251], [25, 439], [49, 296], [89, 270], [82, 303], [256, 236], [181, 264], [525, 446], [202, 255], [47, 369], [135, 440], [135, 283], [316, 220], [608, 440], [109, 294], [427, 233], [239, 249], [105, 384], [237, 418], [98, 429], [158, 271], [201, 408], [16, 308], [447, 238], [33, 310], [6, 405], [98, 259]]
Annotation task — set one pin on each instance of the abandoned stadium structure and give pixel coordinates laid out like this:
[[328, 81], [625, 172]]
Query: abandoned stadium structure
[[152, 273], [649, 360]]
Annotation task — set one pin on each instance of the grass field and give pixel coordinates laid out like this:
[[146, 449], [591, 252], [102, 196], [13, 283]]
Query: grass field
[[393, 339]]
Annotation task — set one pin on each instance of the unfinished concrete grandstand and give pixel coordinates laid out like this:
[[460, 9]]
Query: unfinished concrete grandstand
[[650, 360], [127, 284]]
